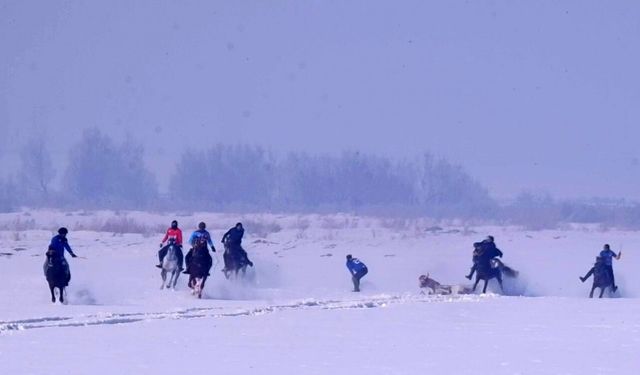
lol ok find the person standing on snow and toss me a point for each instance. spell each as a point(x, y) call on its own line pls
point(173, 233)
point(357, 270)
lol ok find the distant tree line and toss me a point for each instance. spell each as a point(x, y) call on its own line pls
point(103, 173)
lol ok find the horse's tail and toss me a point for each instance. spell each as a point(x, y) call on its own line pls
point(506, 270)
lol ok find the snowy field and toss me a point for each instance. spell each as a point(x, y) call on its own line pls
point(295, 313)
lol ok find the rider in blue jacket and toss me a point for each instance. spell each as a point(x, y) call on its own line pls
point(198, 236)
point(357, 270)
point(57, 248)
point(607, 256)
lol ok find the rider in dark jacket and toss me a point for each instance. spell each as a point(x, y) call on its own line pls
point(477, 253)
point(489, 248)
point(233, 239)
point(483, 252)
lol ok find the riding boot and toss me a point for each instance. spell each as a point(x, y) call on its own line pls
point(161, 255)
point(583, 279)
point(471, 272)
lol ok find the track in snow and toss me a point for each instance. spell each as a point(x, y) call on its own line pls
point(227, 312)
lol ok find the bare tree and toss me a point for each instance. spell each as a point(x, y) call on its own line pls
point(36, 168)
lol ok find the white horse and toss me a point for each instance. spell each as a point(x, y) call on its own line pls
point(170, 266)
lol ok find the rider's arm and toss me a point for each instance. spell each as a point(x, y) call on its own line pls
point(225, 236)
point(166, 236)
point(179, 237)
point(68, 248)
point(192, 239)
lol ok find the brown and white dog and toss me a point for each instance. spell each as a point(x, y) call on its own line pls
point(436, 287)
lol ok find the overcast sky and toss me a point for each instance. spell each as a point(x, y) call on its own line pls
point(540, 95)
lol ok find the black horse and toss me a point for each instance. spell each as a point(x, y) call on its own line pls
point(235, 260)
point(199, 267)
point(488, 269)
point(601, 278)
point(58, 276)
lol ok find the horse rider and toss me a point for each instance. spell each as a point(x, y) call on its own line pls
point(56, 250)
point(489, 249)
point(483, 252)
point(357, 269)
point(607, 256)
point(477, 253)
point(233, 239)
point(197, 237)
point(173, 233)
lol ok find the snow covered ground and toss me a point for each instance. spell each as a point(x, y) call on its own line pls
point(296, 314)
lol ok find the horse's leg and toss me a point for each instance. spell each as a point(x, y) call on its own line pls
point(475, 285)
point(486, 283)
point(602, 291)
point(499, 278)
point(53, 295)
point(163, 275)
point(61, 289)
point(593, 288)
point(176, 274)
point(204, 279)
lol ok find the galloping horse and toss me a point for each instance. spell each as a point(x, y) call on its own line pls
point(488, 269)
point(601, 278)
point(58, 276)
point(235, 260)
point(170, 266)
point(199, 267)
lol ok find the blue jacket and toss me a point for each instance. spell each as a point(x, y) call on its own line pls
point(355, 265)
point(607, 257)
point(59, 244)
point(201, 234)
point(234, 235)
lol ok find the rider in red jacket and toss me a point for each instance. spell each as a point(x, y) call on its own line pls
point(174, 233)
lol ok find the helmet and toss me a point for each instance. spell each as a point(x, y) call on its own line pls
point(349, 257)
point(490, 238)
point(174, 224)
point(607, 247)
point(63, 230)
point(202, 225)
point(239, 225)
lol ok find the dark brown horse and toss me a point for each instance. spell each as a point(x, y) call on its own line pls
point(488, 269)
point(235, 260)
point(601, 278)
point(199, 267)
point(58, 276)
